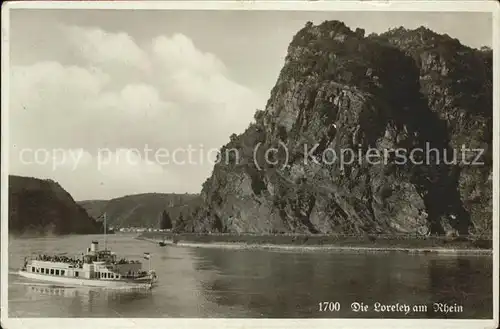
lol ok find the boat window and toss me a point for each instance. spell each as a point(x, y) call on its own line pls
point(62, 272)
point(52, 271)
point(57, 272)
point(76, 274)
point(42, 270)
point(32, 269)
point(37, 270)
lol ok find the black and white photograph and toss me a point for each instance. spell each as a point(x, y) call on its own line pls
point(249, 161)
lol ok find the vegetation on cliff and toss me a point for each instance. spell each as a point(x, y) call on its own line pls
point(39, 206)
point(341, 90)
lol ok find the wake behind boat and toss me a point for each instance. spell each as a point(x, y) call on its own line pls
point(96, 268)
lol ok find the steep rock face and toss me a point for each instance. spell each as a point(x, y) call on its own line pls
point(140, 210)
point(43, 206)
point(371, 100)
point(458, 82)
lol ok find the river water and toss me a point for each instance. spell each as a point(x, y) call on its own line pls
point(211, 282)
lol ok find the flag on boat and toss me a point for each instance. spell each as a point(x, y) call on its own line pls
point(147, 255)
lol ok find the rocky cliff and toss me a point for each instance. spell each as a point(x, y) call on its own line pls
point(141, 210)
point(371, 100)
point(42, 206)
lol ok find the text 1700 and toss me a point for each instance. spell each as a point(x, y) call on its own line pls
point(329, 306)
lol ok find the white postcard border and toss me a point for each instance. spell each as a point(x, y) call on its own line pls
point(449, 6)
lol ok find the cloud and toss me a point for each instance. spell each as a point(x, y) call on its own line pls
point(133, 101)
point(195, 76)
point(42, 84)
point(103, 48)
point(182, 96)
point(178, 53)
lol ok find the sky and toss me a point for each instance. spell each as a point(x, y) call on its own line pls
point(117, 102)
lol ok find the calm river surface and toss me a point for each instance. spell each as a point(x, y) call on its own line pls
point(206, 282)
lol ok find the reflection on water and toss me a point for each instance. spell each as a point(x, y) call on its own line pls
point(292, 284)
point(79, 301)
point(462, 281)
point(247, 283)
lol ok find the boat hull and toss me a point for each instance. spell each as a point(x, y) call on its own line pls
point(110, 284)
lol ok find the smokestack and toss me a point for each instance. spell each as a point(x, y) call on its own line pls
point(93, 246)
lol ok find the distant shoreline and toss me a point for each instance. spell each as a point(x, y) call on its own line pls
point(48, 234)
point(360, 246)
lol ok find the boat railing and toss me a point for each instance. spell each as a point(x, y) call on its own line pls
point(77, 263)
point(126, 261)
point(136, 275)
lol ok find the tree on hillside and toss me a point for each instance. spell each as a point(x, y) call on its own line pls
point(165, 221)
point(258, 116)
point(179, 224)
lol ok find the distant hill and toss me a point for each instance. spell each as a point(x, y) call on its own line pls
point(39, 206)
point(94, 207)
point(141, 210)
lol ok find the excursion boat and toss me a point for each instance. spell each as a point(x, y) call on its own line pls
point(95, 268)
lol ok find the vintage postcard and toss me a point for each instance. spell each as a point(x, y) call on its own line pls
point(233, 164)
